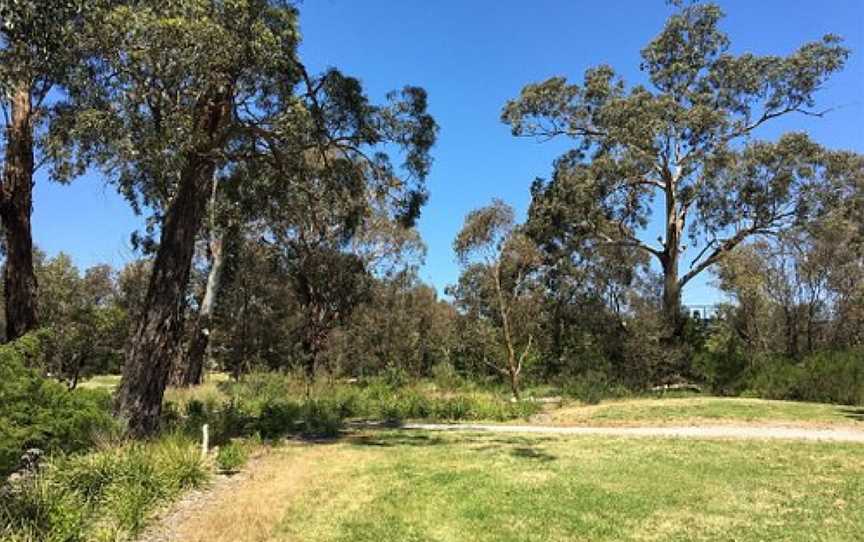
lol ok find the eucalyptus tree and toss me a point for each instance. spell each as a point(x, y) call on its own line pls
point(163, 98)
point(340, 209)
point(499, 262)
point(182, 92)
point(38, 49)
point(688, 136)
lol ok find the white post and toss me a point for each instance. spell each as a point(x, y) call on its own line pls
point(205, 440)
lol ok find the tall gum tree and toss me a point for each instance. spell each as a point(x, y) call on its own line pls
point(688, 139)
point(38, 47)
point(180, 93)
point(168, 92)
point(341, 208)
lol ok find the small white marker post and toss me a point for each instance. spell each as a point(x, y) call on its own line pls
point(205, 440)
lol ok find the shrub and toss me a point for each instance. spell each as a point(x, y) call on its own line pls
point(278, 417)
point(833, 377)
point(445, 376)
point(232, 456)
point(321, 417)
point(590, 387)
point(37, 412)
point(826, 377)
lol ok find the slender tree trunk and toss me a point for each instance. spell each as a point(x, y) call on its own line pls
point(313, 338)
point(199, 346)
point(513, 367)
point(190, 370)
point(669, 261)
point(16, 207)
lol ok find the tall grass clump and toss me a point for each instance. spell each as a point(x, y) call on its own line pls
point(105, 495)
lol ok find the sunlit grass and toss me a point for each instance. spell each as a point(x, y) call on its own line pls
point(103, 382)
point(706, 410)
point(412, 486)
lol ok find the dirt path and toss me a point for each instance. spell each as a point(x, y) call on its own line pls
point(240, 508)
point(704, 432)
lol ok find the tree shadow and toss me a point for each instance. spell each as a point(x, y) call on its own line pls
point(856, 414)
point(389, 440)
point(517, 446)
point(532, 453)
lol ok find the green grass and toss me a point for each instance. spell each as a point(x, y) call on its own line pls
point(101, 382)
point(707, 410)
point(411, 486)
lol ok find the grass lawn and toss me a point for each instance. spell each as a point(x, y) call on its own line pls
point(705, 411)
point(411, 486)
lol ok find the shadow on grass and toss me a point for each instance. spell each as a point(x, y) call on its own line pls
point(856, 414)
point(388, 440)
point(532, 453)
point(516, 446)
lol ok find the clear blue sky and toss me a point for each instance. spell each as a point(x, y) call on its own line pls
point(471, 56)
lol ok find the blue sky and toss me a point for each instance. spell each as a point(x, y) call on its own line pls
point(472, 56)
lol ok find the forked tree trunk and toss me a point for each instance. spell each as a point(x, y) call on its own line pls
point(19, 280)
point(190, 365)
point(153, 344)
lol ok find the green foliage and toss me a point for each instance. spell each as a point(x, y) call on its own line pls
point(590, 387)
point(102, 495)
point(274, 405)
point(232, 456)
point(825, 377)
point(445, 376)
point(36, 412)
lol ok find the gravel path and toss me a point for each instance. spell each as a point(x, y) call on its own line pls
point(703, 432)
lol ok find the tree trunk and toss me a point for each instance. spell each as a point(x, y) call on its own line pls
point(19, 280)
point(669, 261)
point(672, 295)
point(154, 341)
point(512, 366)
point(314, 335)
point(190, 369)
point(199, 344)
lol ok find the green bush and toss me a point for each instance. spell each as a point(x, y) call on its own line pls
point(445, 377)
point(232, 456)
point(590, 387)
point(278, 417)
point(36, 412)
point(321, 417)
point(825, 377)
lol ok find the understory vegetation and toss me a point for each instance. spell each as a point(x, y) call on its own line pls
point(274, 292)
